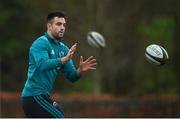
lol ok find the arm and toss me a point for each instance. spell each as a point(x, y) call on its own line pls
point(70, 71)
point(68, 68)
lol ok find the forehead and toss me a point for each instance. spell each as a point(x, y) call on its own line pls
point(59, 19)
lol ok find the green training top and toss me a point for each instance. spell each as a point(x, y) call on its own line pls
point(44, 64)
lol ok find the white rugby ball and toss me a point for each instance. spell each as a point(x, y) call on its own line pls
point(95, 39)
point(156, 54)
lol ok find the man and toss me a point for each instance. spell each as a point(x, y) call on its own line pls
point(47, 56)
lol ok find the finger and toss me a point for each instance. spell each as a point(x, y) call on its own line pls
point(89, 58)
point(92, 68)
point(92, 61)
point(75, 43)
point(93, 64)
point(73, 47)
point(81, 59)
point(70, 54)
point(71, 51)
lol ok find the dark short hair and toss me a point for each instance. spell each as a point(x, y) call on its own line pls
point(51, 15)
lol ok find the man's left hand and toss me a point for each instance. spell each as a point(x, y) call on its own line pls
point(88, 64)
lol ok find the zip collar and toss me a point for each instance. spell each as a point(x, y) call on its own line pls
point(51, 39)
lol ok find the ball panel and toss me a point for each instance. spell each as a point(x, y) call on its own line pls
point(99, 38)
point(93, 42)
point(155, 51)
point(151, 60)
point(165, 53)
point(164, 57)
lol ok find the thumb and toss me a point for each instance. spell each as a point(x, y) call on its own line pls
point(81, 59)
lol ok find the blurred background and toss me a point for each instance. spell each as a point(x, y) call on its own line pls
point(124, 84)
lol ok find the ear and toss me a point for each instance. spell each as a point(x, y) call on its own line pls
point(48, 25)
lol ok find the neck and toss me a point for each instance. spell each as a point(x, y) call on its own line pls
point(55, 40)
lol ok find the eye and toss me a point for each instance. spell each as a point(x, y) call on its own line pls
point(58, 23)
point(64, 24)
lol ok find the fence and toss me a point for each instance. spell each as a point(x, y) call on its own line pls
point(76, 105)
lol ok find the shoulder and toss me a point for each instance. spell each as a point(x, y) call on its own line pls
point(40, 43)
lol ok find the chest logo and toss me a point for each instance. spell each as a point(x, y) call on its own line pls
point(52, 52)
point(61, 54)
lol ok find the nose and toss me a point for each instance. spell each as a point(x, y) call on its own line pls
point(62, 28)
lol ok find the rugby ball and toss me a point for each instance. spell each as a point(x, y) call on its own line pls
point(95, 39)
point(156, 54)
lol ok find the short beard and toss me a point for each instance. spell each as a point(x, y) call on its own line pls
point(57, 37)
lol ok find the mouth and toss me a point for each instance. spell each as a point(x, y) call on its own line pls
point(61, 31)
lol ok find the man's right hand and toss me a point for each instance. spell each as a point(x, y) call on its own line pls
point(69, 55)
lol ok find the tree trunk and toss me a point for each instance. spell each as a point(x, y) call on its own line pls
point(176, 51)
